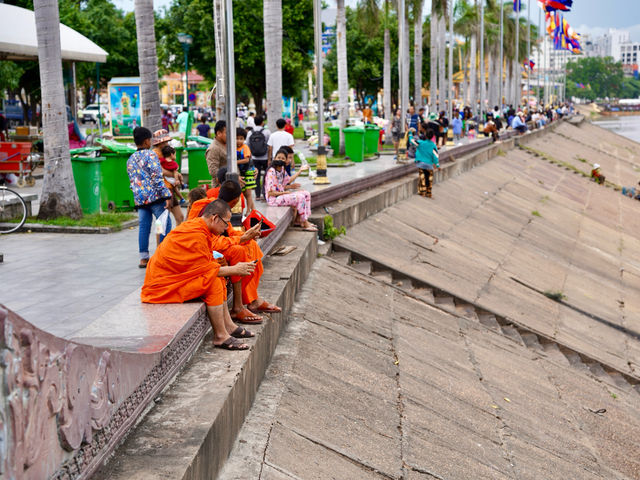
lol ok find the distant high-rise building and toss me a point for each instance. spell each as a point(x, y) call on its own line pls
point(612, 42)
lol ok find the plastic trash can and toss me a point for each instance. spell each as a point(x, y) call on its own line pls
point(334, 139)
point(116, 192)
point(354, 143)
point(198, 169)
point(371, 139)
point(86, 174)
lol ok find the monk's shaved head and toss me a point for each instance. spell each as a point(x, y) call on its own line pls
point(230, 191)
point(217, 207)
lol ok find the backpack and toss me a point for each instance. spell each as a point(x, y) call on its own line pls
point(258, 144)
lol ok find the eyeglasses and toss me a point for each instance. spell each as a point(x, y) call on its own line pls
point(226, 222)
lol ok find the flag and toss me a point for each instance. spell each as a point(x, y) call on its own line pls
point(554, 5)
point(517, 6)
point(532, 64)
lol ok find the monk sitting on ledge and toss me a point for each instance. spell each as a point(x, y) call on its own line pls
point(237, 247)
point(183, 268)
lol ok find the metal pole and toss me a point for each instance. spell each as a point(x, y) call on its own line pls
point(501, 82)
point(529, 53)
point(98, 94)
point(451, 96)
point(518, 69)
point(482, 75)
point(186, 77)
point(74, 96)
point(321, 161)
point(230, 94)
point(402, 53)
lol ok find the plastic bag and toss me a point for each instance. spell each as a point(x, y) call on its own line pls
point(161, 223)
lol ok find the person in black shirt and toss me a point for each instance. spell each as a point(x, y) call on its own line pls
point(203, 128)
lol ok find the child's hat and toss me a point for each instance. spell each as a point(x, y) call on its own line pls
point(160, 136)
point(596, 165)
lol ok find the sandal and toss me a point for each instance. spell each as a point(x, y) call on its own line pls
point(266, 307)
point(232, 343)
point(242, 333)
point(248, 317)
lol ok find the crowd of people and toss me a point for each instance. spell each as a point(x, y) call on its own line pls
point(195, 259)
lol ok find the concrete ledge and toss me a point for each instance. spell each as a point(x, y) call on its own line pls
point(206, 405)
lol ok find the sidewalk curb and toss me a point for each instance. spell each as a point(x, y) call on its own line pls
point(42, 228)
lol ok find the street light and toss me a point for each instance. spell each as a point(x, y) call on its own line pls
point(186, 40)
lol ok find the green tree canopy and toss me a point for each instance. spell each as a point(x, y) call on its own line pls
point(601, 77)
point(196, 18)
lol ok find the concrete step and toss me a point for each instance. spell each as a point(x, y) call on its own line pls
point(620, 381)
point(576, 361)
point(425, 293)
point(553, 353)
point(512, 333)
point(445, 301)
point(343, 257)
point(467, 310)
point(363, 267)
point(385, 276)
point(404, 283)
point(599, 372)
point(489, 320)
point(531, 340)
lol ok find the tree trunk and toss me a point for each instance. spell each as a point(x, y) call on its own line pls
point(407, 64)
point(464, 93)
point(507, 83)
point(491, 81)
point(473, 80)
point(148, 65)
point(417, 53)
point(272, 12)
point(388, 114)
point(59, 197)
point(442, 66)
point(343, 78)
point(433, 52)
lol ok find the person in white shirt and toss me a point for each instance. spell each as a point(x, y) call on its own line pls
point(279, 139)
point(251, 122)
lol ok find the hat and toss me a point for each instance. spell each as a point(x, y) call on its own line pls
point(433, 116)
point(160, 136)
point(596, 166)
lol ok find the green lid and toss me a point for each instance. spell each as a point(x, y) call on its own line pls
point(204, 140)
point(114, 147)
point(354, 129)
point(80, 151)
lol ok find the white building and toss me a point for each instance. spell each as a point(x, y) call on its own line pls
point(629, 53)
point(612, 42)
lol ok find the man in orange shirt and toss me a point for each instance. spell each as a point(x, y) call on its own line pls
point(183, 268)
point(239, 247)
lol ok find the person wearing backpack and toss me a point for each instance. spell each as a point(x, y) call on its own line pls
point(257, 140)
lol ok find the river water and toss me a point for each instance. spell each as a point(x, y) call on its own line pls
point(626, 126)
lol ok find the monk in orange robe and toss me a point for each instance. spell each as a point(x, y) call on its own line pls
point(238, 247)
point(183, 268)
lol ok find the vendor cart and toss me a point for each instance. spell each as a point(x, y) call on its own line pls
point(16, 158)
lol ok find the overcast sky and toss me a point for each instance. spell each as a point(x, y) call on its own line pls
point(587, 16)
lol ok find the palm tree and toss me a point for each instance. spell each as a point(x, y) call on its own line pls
point(386, 81)
point(343, 78)
point(272, 14)
point(433, 52)
point(418, 43)
point(148, 64)
point(59, 197)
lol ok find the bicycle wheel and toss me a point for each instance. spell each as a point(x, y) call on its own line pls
point(13, 211)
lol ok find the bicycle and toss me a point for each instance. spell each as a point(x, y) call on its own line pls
point(12, 206)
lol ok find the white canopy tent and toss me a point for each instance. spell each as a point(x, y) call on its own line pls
point(18, 39)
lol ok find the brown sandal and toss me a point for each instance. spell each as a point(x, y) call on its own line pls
point(232, 343)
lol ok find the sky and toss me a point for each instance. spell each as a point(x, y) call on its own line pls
point(587, 16)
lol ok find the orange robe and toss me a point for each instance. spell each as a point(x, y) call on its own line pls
point(235, 252)
point(182, 268)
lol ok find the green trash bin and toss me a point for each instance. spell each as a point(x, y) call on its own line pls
point(86, 174)
point(354, 143)
point(198, 169)
point(334, 136)
point(116, 192)
point(179, 151)
point(371, 139)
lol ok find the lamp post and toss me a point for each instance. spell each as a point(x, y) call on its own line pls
point(186, 40)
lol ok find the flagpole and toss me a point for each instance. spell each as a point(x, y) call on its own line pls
point(529, 54)
point(501, 82)
point(482, 77)
point(518, 67)
point(451, 95)
point(540, 35)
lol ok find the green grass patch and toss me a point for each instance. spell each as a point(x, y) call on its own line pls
point(536, 213)
point(298, 133)
point(114, 220)
point(580, 159)
point(556, 296)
